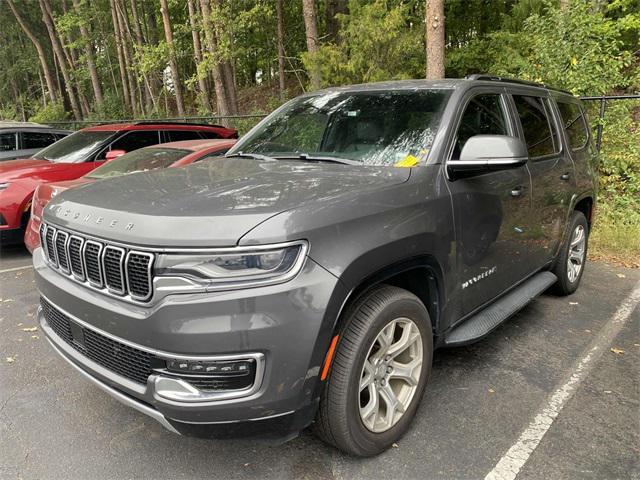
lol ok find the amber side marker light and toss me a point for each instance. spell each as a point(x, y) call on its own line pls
point(329, 357)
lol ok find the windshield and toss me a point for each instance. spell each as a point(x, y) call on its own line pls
point(139, 161)
point(372, 128)
point(74, 148)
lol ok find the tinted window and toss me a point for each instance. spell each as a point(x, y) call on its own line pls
point(206, 134)
point(483, 115)
point(77, 147)
point(179, 135)
point(372, 128)
point(139, 161)
point(7, 142)
point(37, 139)
point(541, 139)
point(134, 140)
point(574, 124)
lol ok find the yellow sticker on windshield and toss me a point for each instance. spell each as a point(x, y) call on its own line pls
point(408, 161)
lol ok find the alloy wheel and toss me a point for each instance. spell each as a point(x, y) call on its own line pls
point(577, 249)
point(390, 375)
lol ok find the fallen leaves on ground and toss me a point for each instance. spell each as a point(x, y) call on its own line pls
point(621, 275)
point(617, 351)
point(30, 329)
point(10, 359)
point(573, 303)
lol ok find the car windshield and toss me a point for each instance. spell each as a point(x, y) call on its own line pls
point(139, 161)
point(74, 148)
point(370, 128)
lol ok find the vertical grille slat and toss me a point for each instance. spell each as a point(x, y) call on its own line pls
point(75, 257)
point(51, 250)
point(139, 274)
point(113, 269)
point(113, 265)
point(61, 250)
point(92, 252)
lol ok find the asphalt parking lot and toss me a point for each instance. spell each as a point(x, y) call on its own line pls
point(552, 394)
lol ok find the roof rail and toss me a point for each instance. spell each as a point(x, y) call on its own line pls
point(168, 122)
point(496, 78)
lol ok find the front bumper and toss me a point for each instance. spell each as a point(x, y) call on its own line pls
point(288, 326)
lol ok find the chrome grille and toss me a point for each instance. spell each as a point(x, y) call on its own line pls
point(61, 251)
point(113, 265)
point(139, 274)
point(51, 250)
point(75, 257)
point(119, 271)
point(92, 251)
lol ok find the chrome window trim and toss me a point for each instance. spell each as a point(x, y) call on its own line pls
point(58, 234)
point(83, 276)
point(100, 273)
point(122, 269)
point(151, 257)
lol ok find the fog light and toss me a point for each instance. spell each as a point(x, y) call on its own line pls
point(216, 367)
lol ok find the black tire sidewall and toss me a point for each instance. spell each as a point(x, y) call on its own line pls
point(564, 286)
point(369, 442)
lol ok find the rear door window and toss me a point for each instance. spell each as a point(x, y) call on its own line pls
point(37, 139)
point(134, 140)
point(179, 135)
point(483, 115)
point(574, 124)
point(7, 142)
point(539, 131)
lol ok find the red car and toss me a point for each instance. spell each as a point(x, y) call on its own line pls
point(166, 155)
point(77, 155)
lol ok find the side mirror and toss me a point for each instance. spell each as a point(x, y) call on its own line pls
point(487, 153)
point(114, 154)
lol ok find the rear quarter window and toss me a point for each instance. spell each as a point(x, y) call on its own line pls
point(7, 141)
point(574, 124)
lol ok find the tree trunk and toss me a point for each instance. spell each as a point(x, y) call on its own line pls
point(127, 39)
point(149, 99)
point(173, 62)
point(311, 29)
point(197, 53)
point(121, 64)
point(91, 62)
point(230, 86)
point(280, 36)
point(434, 32)
point(333, 8)
point(222, 102)
point(51, 86)
point(57, 49)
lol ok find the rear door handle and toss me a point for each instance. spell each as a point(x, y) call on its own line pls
point(516, 192)
point(565, 176)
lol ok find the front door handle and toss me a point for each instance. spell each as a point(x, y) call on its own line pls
point(516, 192)
point(565, 176)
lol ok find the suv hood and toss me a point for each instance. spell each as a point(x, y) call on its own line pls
point(213, 203)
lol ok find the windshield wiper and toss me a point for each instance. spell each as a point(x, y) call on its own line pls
point(320, 158)
point(255, 156)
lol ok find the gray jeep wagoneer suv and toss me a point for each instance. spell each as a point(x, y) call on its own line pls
point(309, 275)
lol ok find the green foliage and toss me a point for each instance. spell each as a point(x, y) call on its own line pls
point(378, 41)
point(52, 112)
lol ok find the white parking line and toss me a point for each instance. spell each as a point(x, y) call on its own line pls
point(15, 269)
point(516, 457)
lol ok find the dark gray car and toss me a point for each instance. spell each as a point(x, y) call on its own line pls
point(309, 275)
point(23, 139)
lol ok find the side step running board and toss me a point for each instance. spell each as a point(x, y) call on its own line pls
point(493, 315)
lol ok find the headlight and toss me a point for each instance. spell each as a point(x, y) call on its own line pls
point(4, 186)
point(238, 267)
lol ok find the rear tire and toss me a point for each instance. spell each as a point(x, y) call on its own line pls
point(569, 266)
point(364, 370)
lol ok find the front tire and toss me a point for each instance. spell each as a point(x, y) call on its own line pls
point(569, 265)
point(379, 372)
